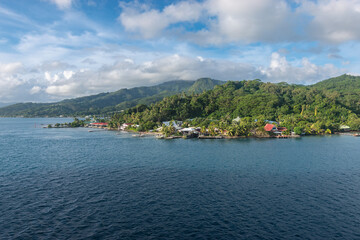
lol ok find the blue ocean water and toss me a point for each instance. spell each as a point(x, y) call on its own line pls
point(75, 184)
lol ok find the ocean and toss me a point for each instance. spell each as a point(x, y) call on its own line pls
point(76, 184)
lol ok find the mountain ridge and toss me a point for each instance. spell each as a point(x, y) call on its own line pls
point(104, 103)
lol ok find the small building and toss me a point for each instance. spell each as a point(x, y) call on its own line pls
point(282, 129)
point(344, 128)
point(98, 125)
point(270, 127)
point(125, 126)
point(276, 130)
point(237, 119)
point(174, 123)
point(188, 130)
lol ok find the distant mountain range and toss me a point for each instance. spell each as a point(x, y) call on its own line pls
point(5, 104)
point(107, 103)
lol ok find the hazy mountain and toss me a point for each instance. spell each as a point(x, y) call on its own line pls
point(105, 103)
point(5, 104)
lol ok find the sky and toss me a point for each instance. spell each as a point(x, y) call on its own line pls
point(57, 49)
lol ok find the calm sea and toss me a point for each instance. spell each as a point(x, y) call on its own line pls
point(75, 184)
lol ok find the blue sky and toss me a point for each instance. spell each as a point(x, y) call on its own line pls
point(56, 49)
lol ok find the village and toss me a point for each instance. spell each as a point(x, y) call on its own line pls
point(182, 129)
point(177, 129)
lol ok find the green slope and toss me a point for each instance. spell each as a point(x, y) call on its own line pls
point(342, 84)
point(345, 88)
point(316, 108)
point(107, 103)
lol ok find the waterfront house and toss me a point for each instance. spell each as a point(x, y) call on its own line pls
point(270, 127)
point(125, 126)
point(344, 128)
point(189, 130)
point(276, 130)
point(175, 124)
point(98, 125)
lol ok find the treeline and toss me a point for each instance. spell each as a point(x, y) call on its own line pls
point(313, 109)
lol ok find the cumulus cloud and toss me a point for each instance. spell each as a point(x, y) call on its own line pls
point(127, 74)
point(54, 65)
point(305, 72)
point(35, 89)
point(62, 4)
point(250, 21)
point(150, 23)
point(60, 83)
point(332, 20)
point(226, 21)
point(10, 77)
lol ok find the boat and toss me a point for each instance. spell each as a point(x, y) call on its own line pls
point(356, 135)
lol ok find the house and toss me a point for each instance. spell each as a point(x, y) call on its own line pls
point(236, 119)
point(276, 130)
point(125, 126)
point(344, 128)
point(188, 130)
point(176, 124)
point(270, 127)
point(282, 129)
point(99, 125)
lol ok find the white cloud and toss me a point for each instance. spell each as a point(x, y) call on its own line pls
point(250, 21)
point(305, 72)
point(10, 78)
point(332, 20)
point(127, 74)
point(62, 4)
point(35, 90)
point(68, 74)
point(65, 90)
point(150, 23)
point(57, 84)
point(228, 21)
point(10, 68)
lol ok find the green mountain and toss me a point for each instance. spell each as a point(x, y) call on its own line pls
point(345, 88)
point(106, 103)
point(316, 108)
point(342, 84)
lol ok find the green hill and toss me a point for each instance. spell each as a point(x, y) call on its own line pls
point(345, 88)
point(316, 108)
point(107, 103)
point(342, 84)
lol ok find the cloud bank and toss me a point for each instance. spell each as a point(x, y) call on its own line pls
point(227, 21)
point(143, 43)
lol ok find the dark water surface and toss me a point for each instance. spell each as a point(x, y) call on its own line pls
point(75, 184)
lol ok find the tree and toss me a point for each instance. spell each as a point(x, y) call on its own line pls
point(298, 130)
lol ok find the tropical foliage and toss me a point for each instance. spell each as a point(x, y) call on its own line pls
point(313, 109)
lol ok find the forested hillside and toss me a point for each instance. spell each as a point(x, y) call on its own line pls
point(314, 108)
point(107, 103)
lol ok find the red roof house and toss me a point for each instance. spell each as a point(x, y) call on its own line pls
point(99, 124)
point(270, 127)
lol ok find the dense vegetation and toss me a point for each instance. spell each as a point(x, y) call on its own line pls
point(108, 103)
point(316, 109)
